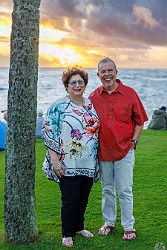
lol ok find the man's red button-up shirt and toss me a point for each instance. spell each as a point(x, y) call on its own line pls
point(118, 113)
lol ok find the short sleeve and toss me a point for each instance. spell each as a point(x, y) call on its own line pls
point(52, 127)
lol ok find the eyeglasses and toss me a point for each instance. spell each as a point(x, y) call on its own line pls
point(79, 82)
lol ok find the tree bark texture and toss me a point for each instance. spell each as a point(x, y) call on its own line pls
point(19, 205)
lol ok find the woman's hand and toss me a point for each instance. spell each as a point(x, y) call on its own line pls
point(58, 168)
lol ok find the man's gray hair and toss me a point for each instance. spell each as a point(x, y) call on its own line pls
point(106, 60)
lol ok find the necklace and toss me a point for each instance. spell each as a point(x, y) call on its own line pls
point(78, 102)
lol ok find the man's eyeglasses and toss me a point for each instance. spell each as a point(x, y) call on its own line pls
point(79, 82)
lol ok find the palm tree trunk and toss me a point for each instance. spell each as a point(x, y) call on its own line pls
point(19, 205)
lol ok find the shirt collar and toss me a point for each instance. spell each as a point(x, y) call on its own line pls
point(118, 89)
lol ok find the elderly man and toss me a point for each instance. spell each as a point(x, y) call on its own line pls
point(122, 117)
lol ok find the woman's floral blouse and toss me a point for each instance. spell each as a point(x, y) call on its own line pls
point(71, 131)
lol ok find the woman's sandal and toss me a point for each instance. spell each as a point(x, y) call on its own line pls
point(106, 230)
point(129, 235)
point(85, 233)
point(67, 242)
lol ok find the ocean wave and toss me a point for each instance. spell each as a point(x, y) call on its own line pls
point(149, 84)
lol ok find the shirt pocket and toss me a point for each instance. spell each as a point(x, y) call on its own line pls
point(126, 114)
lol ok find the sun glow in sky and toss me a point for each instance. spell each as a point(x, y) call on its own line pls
point(51, 35)
point(83, 35)
point(53, 52)
point(48, 49)
point(5, 30)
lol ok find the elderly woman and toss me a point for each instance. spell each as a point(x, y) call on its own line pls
point(70, 135)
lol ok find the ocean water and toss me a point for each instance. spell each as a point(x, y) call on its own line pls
point(150, 84)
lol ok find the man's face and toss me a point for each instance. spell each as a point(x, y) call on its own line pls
point(107, 74)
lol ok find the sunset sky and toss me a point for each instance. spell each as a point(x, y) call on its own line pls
point(132, 32)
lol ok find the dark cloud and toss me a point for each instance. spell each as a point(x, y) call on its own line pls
point(55, 10)
point(129, 23)
point(117, 27)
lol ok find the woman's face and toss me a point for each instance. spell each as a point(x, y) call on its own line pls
point(76, 86)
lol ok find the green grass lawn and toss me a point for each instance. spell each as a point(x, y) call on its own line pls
point(150, 203)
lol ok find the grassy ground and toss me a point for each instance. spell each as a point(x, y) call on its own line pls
point(150, 188)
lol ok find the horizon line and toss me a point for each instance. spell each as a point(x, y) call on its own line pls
point(93, 68)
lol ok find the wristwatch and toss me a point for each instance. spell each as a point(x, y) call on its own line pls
point(135, 143)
